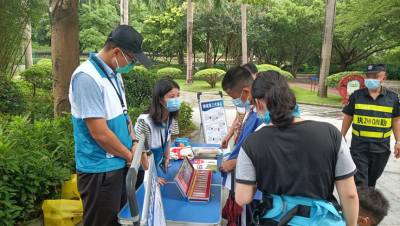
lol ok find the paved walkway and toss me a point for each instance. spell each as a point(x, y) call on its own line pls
point(389, 183)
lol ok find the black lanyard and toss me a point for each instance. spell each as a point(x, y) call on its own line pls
point(166, 135)
point(109, 79)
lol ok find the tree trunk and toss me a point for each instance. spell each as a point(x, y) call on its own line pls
point(28, 46)
point(189, 67)
point(251, 55)
point(244, 35)
point(64, 50)
point(209, 54)
point(330, 12)
point(343, 66)
point(126, 12)
point(121, 11)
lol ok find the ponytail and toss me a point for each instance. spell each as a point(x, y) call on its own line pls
point(271, 87)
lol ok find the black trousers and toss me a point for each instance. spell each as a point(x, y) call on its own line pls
point(103, 196)
point(370, 166)
point(139, 179)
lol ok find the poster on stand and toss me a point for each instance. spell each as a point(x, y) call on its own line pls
point(156, 215)
point(214, 121)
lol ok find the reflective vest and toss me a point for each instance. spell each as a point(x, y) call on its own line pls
point(372, 120)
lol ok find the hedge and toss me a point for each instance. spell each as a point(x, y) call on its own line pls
point(267, 67)
point(333, 80)
point(169, 72)
point(211, 76)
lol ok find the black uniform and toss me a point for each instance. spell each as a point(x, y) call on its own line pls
point(372, 127)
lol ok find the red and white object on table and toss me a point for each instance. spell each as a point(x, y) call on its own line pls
point(181, 152)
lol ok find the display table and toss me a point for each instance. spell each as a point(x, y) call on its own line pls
point(178, 210)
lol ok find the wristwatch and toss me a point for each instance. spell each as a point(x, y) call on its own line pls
point(135, 140)
point(397, 142)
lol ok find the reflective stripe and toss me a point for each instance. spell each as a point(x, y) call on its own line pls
point(372, 121)
point(374, 108)
point(372, 134)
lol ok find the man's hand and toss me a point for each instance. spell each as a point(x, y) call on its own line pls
point(224, 143)
point(397, 151)
point(227, 166)
point(129, 160)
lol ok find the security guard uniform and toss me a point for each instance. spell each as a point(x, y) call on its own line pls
point(372, 127)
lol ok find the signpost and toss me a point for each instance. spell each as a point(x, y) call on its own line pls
point(349, 84)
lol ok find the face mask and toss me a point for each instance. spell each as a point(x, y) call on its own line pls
point(128, 67)
point(173, 104)
point(265, 118)
point(372, 84)
point(238, 102)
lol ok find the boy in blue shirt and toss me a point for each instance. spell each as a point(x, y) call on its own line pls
point(237, 84)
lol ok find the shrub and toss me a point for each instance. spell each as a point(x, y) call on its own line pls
point(140, 67)
point(219, 66)
point(211, 76)
point(267, 67)
point(333, 80)
point(35, 159)
point(12, 99)
point(135, 112)
point(169, 72)
point(139, 86)
point(39, 75)
point(40, 107)
point(185, 121)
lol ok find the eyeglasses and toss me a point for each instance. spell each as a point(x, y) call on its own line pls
point(132, 57)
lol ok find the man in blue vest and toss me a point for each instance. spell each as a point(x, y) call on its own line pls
point(374, 112)
point(104, 141)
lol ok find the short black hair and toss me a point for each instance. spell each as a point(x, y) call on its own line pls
point(155, 110)
point(253, 69)
point(373, 204)
point(236, 79)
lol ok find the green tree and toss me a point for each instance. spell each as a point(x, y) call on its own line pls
point(14, 17)
point(363, 28)
point(95, 24)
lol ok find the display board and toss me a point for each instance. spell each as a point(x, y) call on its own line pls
point(214, 120)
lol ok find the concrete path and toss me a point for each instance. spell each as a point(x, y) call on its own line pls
point(389, 183)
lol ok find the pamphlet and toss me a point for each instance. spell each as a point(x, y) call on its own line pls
point(210, 164)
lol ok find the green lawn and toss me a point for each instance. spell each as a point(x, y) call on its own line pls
point(305, 95)
point(302, 95)
point(199, 86)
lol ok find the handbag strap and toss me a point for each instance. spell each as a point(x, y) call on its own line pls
point(232, 191)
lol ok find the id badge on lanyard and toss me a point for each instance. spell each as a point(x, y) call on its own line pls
point(164, 146)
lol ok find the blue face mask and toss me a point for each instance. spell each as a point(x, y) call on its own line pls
point(372, 84)
point(267, 119)
point(128, 67)
point(173, 104)
point(238, 102)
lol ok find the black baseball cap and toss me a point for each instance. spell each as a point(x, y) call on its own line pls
point(129, 39)
point(375, 68)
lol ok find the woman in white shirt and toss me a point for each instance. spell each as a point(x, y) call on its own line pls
point(159, 117)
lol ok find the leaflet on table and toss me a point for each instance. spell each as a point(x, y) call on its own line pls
point(210, 164)
point(181, 152)
point(206, 152)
